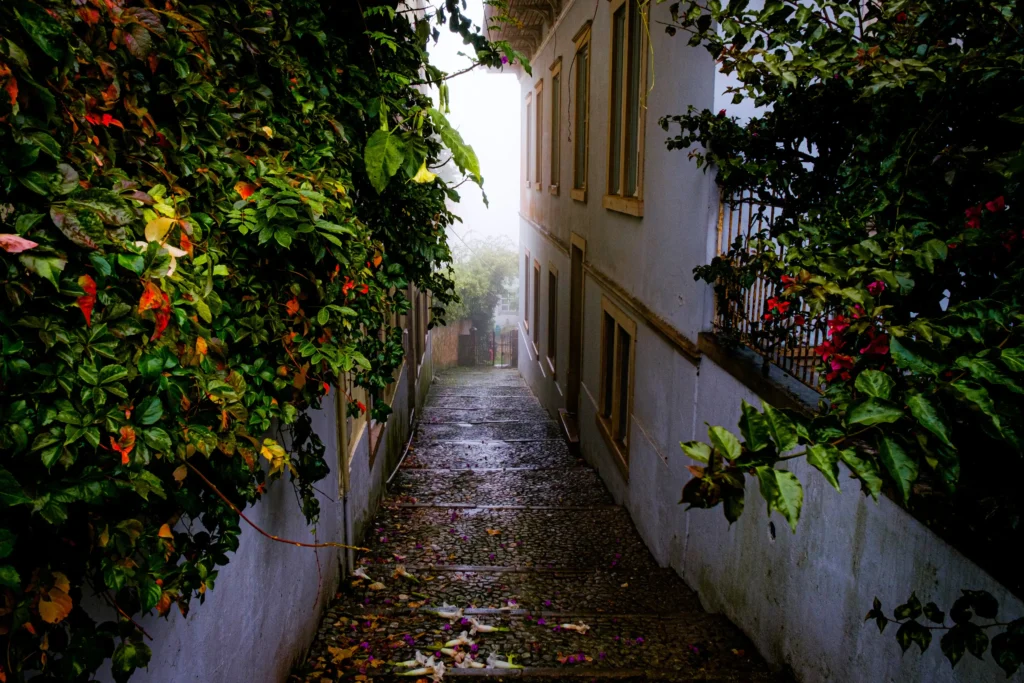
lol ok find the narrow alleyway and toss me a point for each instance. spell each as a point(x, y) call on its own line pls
point(493, 516)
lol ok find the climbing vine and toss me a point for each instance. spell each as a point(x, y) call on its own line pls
point(886, 154)
point(208, 213)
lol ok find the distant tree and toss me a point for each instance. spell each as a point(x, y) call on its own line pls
point(480, 275)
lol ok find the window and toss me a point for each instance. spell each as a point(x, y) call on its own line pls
point(529, 138)
point(552, 317)
point(538, 136)
point(618, 346)
point(625, 132)
point(536, 306)
point(581, 116)
point(556, 126)
point(526, 292)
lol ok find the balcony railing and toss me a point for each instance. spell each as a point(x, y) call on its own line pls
point(742, 298)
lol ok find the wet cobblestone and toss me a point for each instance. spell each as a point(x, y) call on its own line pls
point(490, 455)
point(572, 487)
point(493, 431)
point(433, 415)
point(563, 555)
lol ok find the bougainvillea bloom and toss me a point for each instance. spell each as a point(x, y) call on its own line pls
point(878, 344)
point(777, 304)
point(997, 204)
point(87, 302)
point(837, 325)
point(876, 288)
point(973, 216)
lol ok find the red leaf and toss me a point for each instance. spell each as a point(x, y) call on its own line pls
point(292, 306)
point(246, 190)
point(124, 444)
point(12, 89)
point(88, 302)
point(186, 244)
point(152, 297)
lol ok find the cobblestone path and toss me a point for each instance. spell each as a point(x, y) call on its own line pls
point(500, 525)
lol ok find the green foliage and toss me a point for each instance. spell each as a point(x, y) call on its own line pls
point(200, 231)
point(480, 276)
point(886, 161)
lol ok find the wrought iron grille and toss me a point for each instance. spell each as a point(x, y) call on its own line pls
point(742, 303)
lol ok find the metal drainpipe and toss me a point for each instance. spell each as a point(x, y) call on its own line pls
point(342, 435)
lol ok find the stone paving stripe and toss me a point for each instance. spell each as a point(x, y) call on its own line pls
point(471, 506)
point(499, 469)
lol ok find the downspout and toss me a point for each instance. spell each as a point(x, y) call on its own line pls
point(342, 436)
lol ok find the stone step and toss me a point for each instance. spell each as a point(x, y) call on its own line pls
point(617, 648)
point(538, 592)
point(574, 487)
point(600, 538)
point(490, 431)
point(481, 401)
point(454, 455)
point(491, 378)
point(500, 413)
point(519, 391)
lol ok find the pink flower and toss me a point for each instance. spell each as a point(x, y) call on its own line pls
point(15, 244)
point(878, 344)
point(997, 204)
point(876, 288)
point(837, 325)
point(504, 59)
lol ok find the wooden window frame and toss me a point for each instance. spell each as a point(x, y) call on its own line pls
point(581, 39)
point(554, 156)
point(535, 337)
point(529, 136)
point(538, 132)
point(527, 292)
point(552, 340)
point(610, 425)
point(631, 205)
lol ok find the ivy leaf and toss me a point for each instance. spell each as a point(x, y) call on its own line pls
point(9, 577)
point(780, 428)
point(783, 492)
point(953, 644)
point(1008, 649)
point(43, 29)
point(383, 156)
point(725, 442)
point(754, 428)
point(866, 471)
point(907, 356)
point(698, 450)
point(1013, 359)
point(875, 383)
point(157, 439)
point(462, 154)
point(129, 656)
point(825, 457)
point(902, 469)
point(46, 267)
point(7, 539)
point(911, 632)
point(149, 410)
point(873, 411)
point(925, 412)
point(11, 493)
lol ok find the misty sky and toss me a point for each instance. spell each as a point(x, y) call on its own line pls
point(485, 110)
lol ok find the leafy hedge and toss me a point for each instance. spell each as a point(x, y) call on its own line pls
point(887, 156)
point(195, 242)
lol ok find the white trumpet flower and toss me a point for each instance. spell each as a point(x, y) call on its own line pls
point(494, 663)
point(449, 612)
point(483, 628)
point(361, 574)
point(462, 639)
point(579, 628)
point(401, 572)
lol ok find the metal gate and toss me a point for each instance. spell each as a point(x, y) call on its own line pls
point(504, 348)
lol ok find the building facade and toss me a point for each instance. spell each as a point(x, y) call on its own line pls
point(616, 337)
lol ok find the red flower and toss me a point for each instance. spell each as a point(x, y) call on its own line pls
point(292, 306)
point(973, 215)
point(721, 112)
point(364, 289)
point(997, 204)
point(799, 320)
point(327, 388)
point(88, 302)
point(878, 344)
point(901, 17)
point(347, 286)
point(161, 140)
point(876, 288)
point(361, 406)
point(768, 316)
point(837, 325)
point(777, 304)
